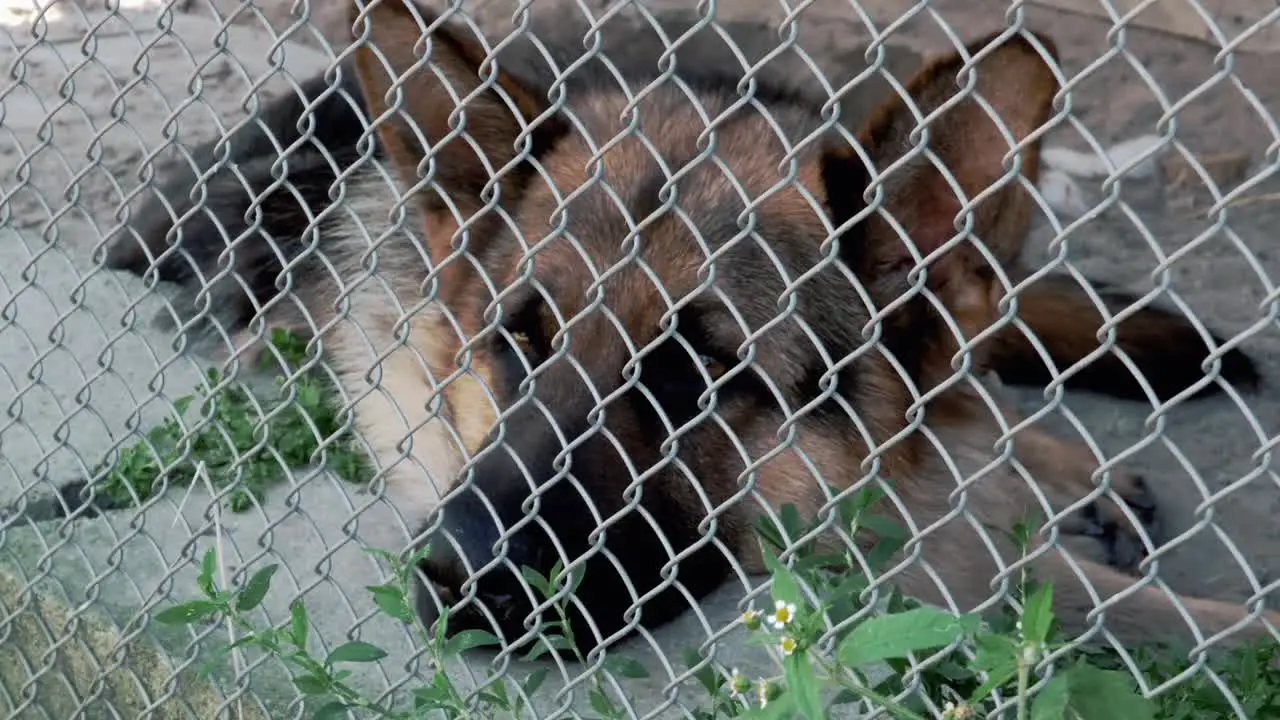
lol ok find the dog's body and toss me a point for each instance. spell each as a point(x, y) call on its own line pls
point(406, 308)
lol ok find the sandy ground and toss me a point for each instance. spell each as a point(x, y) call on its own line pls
point(80, 364)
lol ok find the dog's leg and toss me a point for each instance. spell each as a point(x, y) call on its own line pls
point(1064, 471)
point(1146, 610)
point(1137, 610)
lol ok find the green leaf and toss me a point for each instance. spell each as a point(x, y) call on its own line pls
point(208, 565)
point(298, 624)
point(311, 684)
point(181, 404)
point(534, 681)
point(1248, 672)
point(890, 538)
point(430, 698)
point(785, 587)
point(882, 552)
point(998, 657)
point(803, 684)
point(547, 644)
point(707, 676)
point(442, 627)
point(1051, 702)
point(356, 651)
point(769, 533)
point(391, 559)
point(1023, 530)
point(417, 556)
point(626, 667)
point(601, 703)
point(500, 696)
point(468, 639)
point(1084, 692)
point(330, 710)
point(391, 600)
point(255, 590)
point(535, 579)
point(254, 638)
point(188, 613)
point(819, 562)
point(240, 501)
point(854, 507)
point(494, 699)
point(1104, 694)
point(792, 523)
point(1037, 614)
point(843, 598)
point(894, 636)
point(883, 527)
point(993, 651)
point(575, 578)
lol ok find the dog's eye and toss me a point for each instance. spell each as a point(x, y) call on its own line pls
point(524, 330)
point(522, 341)
point(714, 367)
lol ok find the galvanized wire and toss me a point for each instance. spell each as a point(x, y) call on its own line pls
point(90, 375)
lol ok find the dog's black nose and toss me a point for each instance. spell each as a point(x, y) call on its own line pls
point(476, 571)
point(506, 611)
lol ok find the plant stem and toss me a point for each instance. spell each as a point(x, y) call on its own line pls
point(885, 703)
point(1024, 676)
point(304, 661)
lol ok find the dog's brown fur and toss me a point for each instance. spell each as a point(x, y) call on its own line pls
point(441, 371)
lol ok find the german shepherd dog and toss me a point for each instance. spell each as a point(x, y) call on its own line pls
point(529, 289)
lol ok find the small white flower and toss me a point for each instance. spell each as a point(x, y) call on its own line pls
point(738, 685)
point(788, 645)
point(768, 691)
point(783, 613)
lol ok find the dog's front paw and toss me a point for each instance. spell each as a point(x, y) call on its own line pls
point(1107, 523)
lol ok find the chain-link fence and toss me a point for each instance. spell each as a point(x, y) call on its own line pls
point(634, 307)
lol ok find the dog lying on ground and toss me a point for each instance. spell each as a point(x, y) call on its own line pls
point(528, 302)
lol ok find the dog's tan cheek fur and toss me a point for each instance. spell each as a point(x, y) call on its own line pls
point(396, 408)
point(470, 396)
point(414, 443)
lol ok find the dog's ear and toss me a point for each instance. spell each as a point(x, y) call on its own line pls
point(417, 70)
point(968, 137)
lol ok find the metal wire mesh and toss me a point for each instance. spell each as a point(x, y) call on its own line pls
point(1155, 178)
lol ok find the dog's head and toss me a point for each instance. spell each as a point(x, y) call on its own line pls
point(619, 257)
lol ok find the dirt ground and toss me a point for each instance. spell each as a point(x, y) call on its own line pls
point(70, 153)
